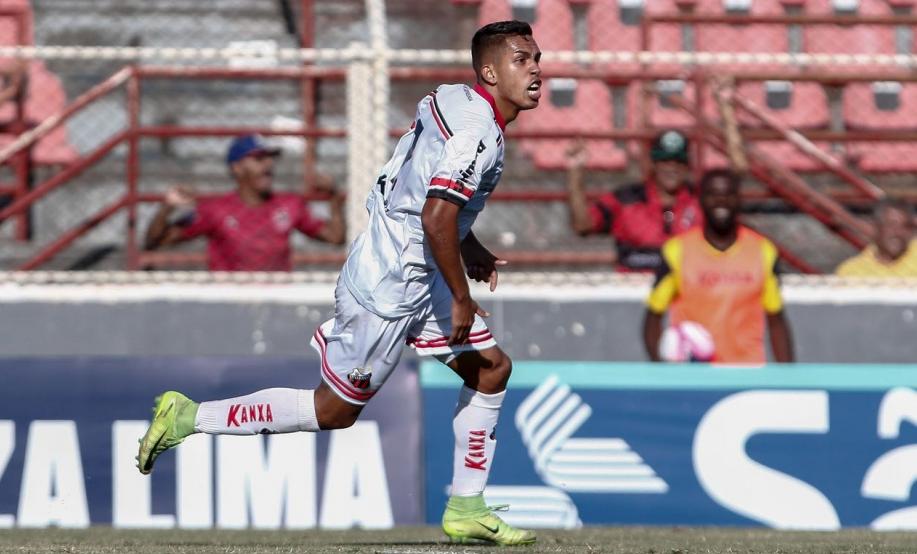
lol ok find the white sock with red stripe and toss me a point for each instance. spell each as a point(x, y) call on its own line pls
point(265, 411)
point(474, 424)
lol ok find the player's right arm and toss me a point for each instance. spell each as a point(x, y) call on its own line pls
point(164, 229)
point(664, 291)
point(440, 227)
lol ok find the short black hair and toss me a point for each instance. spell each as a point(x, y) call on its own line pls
point(493, 34)
point(735, 181)
point(889, 203)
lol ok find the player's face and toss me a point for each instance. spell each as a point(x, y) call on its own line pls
point(670, 175)
point(518, 73)
point(895, 230)
point(720, 201)
point(256, 172)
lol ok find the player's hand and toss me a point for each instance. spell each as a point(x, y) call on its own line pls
point(481, 265)
point(179, 197)
point(463, 312)
point(577, 155)
point(486, 272)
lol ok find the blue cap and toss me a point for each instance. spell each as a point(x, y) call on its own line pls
point(249, 144)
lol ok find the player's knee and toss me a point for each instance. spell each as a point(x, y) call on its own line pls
point(503, 367)
point(495, 377)
point(332, 412)
point(336, 421)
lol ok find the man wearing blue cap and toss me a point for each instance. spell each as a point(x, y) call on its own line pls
point(641, 216)
point(247, 229)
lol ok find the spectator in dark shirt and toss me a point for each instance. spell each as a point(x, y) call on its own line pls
point(641, 216)
point(249, 228)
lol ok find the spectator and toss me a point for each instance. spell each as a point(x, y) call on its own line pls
point(640, 216)
point(249, 228)
point(894, 253)
point(721, 275)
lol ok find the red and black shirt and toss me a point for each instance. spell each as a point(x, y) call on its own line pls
point(640, 224)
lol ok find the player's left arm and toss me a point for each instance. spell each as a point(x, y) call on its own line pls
point(480, 263)
point(778, 327)
point(467, 155)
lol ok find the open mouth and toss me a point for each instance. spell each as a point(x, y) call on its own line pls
point(534, 90)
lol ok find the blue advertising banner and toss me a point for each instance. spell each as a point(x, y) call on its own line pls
point(69, 429)
point(790, 447)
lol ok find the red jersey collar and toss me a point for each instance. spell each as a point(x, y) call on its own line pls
point(493, 104)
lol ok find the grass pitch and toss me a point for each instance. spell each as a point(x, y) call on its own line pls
point(625, 540)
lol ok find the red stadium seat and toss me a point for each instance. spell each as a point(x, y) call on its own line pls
point(807, 107)
point(754, 38)
point(591, 112)
point(608, 31)
point(885, 157)
point(862, 111)
point(666, 37)
point(789, 156)
point(852, 39)
point(662, 113)
point(494, 10)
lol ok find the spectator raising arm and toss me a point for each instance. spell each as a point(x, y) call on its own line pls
point(164, 229)
point(334, 231)
point(576, 199)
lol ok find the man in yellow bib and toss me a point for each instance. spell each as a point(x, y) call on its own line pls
point(894, 252)
point(722, 276)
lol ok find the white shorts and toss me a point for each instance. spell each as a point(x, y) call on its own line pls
point(359, 349)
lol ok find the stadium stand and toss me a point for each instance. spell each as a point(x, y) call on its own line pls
point(608, 104)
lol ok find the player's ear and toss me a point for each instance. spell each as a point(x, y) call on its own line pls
point(488, 75)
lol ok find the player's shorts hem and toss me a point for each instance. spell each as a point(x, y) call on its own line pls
point(482, 340)
point(332, 379)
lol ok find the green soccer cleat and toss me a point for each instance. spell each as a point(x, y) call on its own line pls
point(173, 420)
point(468, 519)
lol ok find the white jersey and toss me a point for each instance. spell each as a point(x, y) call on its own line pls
point(453, 151)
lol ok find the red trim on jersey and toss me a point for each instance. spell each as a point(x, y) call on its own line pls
point(493, 104)
point(434, 109)
point(474, 338)
point(335, 380)
point(452, 185)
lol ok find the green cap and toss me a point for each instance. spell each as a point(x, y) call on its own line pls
point(670, 146)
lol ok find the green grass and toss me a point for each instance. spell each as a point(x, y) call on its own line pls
point(626, 540)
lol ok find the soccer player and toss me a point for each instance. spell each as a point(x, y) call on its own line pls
point(403, 281)
point(721, 275)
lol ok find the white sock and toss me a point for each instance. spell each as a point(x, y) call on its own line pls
point(265, 411)
point(474, 424)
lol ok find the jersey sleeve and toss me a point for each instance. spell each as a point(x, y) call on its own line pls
point(602, 213)
point(308, 224)
point(465, 158)
point(201, 222)
point(770, 295)
point(665, 288)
